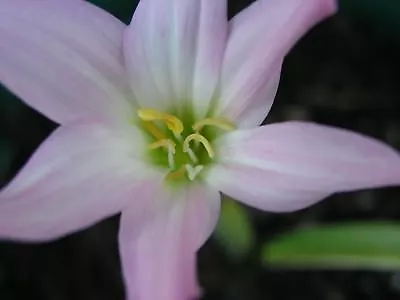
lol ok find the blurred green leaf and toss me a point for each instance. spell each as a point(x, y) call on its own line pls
point(234, 231)
point(373, 246)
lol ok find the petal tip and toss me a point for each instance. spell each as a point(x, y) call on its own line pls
point(330, 7)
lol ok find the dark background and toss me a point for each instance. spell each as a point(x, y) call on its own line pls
point(345, 73)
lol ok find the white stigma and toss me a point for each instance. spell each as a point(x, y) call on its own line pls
point(192, 172)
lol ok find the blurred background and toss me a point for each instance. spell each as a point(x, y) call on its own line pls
point(346, 73)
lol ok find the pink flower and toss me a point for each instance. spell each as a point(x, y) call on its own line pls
point(158, 118)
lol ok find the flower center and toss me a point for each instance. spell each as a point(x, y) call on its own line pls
point(184, 150)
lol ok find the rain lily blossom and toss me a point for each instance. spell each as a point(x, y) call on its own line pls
point(158, 118)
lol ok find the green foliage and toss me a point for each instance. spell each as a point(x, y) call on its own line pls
point(371, 246)
point(234, 231)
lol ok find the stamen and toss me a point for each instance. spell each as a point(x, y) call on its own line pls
point(191, 154)
point(189, 164)
point(171, 161)
point(217, 122)
point(153, 130)
point(199, 138)
point(172, 122)
point(192, 172)
point(169, 145)
point(176, 174)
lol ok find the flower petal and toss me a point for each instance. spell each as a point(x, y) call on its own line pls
point(260, 37)
point(158, 249)
point(174, 51)
point(63, 58)
point(291, 165)
point(211, 44)
point(81, 174)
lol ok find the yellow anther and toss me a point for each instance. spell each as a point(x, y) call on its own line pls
point(201, 139)
point(216, 122)
point(166, 143)
point(176, 174)
point(153, 130)
point(172, 122)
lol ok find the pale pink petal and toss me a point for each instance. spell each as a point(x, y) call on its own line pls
point(81, 174)
point(64, 58)
point(211, 43)
point(288, 166)
point(158, 248)
point(174, 50)
point(256, 111)
point(260, 37)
